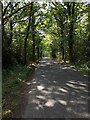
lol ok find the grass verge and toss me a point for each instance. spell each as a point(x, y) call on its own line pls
point(84, 68)
point(13, 80)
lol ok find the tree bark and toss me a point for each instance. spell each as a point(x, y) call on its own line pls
point(1, 35)
point(1, 38)
point(89, 23)
point(27, 34)
point(10, 15)
point(11, 26)
point(33, 34)
point(62, 41)
point(6, 8)
point(38, 52)
point(71, 30)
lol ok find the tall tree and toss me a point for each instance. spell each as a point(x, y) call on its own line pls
point(71, 8)
point(1, 34)
point(27, 32)
point(11, 25)
point(33, 32)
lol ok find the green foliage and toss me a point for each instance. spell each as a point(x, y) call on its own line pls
point(64, 27)
point(84, 68)
point(50, 29)
point(13, 79)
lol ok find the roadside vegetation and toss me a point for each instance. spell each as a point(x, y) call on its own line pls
point(13, 82)
point(32, 30)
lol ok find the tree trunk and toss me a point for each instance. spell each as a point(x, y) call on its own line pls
point(38, 52)
point(11, 33)
point(87, 54)
point(71, 30)
point(33, 39)
point(89, 23)
point(1, 35)
point(41, 52)
point(27, 34)
point(11, 27)
point(62, 41)
point(33, 34)
point(10, 37)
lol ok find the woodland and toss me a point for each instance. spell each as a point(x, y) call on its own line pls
point(33, 30)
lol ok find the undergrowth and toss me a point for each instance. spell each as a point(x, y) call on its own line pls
point(13, 79)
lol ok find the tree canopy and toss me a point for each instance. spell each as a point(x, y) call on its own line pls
point(32, 30)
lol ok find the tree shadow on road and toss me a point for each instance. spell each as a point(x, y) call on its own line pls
point(57, 92)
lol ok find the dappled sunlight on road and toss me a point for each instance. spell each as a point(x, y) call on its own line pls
point(41, 87)
point(57, 93)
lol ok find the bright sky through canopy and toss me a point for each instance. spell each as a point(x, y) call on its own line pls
point(43, 1)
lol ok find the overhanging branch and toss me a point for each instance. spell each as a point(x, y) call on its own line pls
point(15, 12)
point(6, 8)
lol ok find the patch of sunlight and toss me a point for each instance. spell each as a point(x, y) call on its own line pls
point(72, 66)
point(64, 68)
point(43, 75)
point(72, 82)
point(41, 97)
point(33, 79)
point(75, 101)
point(50, 103)
point(56, 92)
point(40, 106)
point(74, 69)
point(23, 81)
point(80, 83)
point(28, 83)
point(70, 85)
point(36, 101)
point(63, 90)
point(28, 67)
point(43, 61)
point(55, 62)
point(44, 78)
point(48, 63)
point(42, 65)
point(85, 91)
point(54, 81)
point(82, 96)
point(83, 84)
point(19, 73)
point(68, 109)
point(40, 87)
point(33, 89)
point(83, 114)
point(7, 111)
point(20, 79)
point(37, 108)
point(62, 102)
point(46, 92)
point(86, 75)
point(33, 65)
point(34, 82)
point(77, 91)
point(82, 88)
point(30, 92)
point(49, 89)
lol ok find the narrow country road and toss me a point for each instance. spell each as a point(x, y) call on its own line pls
point(57, 91)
